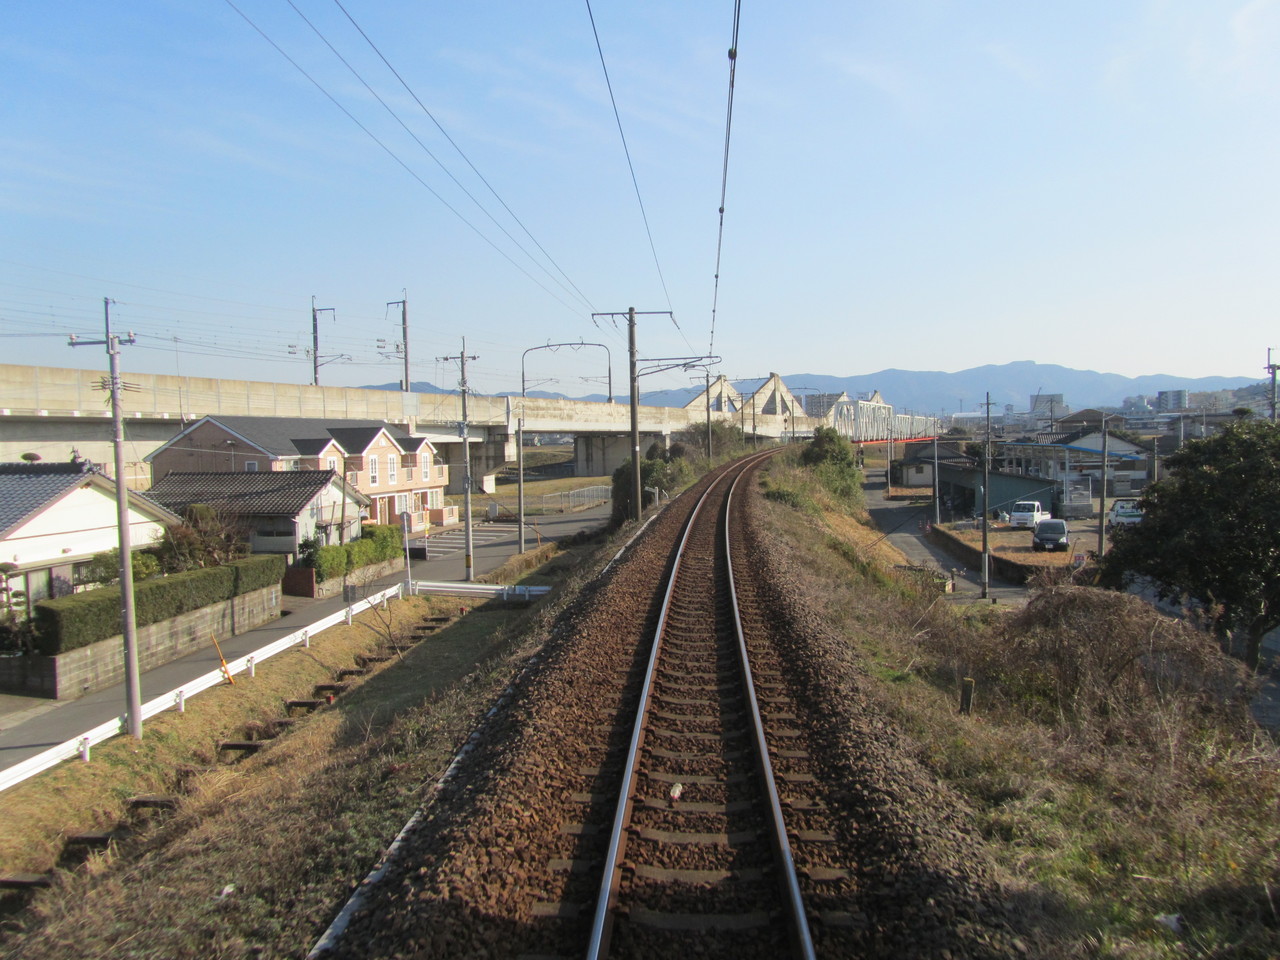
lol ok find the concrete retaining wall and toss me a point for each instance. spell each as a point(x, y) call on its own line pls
point(301, 581)
point(101, 665)
point(971, 557)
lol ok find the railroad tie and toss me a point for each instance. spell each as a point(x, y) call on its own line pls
point(152, 801)
point(25, 881)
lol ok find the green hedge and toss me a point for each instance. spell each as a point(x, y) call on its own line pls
point(377, 542)
point(68, 623)
point(330, 562)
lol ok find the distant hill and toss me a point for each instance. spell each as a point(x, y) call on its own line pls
point(1014, 383)
point(932, 391)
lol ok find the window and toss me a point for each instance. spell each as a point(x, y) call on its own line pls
point(391, 468)
point(251, 466)
point(408, 474)
point(434, 500)
point(296, 464)
point(373, 471)
point(331, 463)
point(402, 503)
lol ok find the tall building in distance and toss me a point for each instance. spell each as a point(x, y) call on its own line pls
point(1170, 400)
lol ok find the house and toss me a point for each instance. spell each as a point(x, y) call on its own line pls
point(399, 473)
point(278, 509)
point(1069, 458)
point(915, 469)
point(55, 516)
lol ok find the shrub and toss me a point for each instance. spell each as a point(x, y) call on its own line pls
point(68, 623)
point(330, 562)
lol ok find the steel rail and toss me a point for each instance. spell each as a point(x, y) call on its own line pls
point(802, 939)
point(602, 920)
point(599, 942)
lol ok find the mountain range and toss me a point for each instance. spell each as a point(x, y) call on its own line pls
point(935, 392)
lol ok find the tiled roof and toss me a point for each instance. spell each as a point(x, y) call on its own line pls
point(26, 487)
point(306, 436)
point(276, 493)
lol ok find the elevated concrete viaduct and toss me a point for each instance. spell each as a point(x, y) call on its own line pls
point(51, 410)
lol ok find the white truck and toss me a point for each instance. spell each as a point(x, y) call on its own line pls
point(1123, 513)
point(1027, 513)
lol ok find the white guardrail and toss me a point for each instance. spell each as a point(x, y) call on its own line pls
point(492, 590)
point(176, 699)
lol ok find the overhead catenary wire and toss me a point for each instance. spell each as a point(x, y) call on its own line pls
point(427, 150)
point(409, 90)
point(396, 157)
point(724, 173)
point(626, 150)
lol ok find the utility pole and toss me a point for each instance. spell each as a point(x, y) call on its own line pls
point(462, 358)
point(1271, 369)
point(1102, 499)
point(637, 494)
point(937, 505)
point(404, 333)
point(520, 479)
point(707, 374)
point(132, 684)
point(986, 504)
point(315, 340)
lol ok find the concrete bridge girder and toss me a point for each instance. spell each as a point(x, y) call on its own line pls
point(598, 455)
point(50, 409)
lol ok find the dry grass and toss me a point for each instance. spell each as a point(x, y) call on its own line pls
point(1110, 761)
point(1016, 545)
point(262, 853)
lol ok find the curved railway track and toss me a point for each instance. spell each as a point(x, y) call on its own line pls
point(570, 830)
point(698, 847)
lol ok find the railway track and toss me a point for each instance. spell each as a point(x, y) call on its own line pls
point(698, 848)
point(572, 829)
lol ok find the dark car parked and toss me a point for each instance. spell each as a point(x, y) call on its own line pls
point(1051, 535)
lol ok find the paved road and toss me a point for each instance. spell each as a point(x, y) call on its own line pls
point(904, 525)
point(30, 725)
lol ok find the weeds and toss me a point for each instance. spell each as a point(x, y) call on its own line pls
point(1112, 763)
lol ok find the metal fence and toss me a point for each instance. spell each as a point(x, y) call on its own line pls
point(570, 501)
point(176, 699)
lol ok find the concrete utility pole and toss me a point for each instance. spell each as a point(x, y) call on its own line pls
point(1102, 498)
point(404, 333)
point(986, 505)
point(520, 480)
point(462, 358)
point(132, 684)
point(1271, 369)
point(637, 494)
point(315, 340)
point(937, 503)
point(707, 376)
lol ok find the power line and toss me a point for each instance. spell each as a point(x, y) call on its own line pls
point(465, 158)
point(425, 149)
point(394, 156)
point(724, 174)
point(634, 182)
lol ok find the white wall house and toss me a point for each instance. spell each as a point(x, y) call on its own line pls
point(55, 516)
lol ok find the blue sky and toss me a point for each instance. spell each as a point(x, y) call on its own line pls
point(917, 184)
